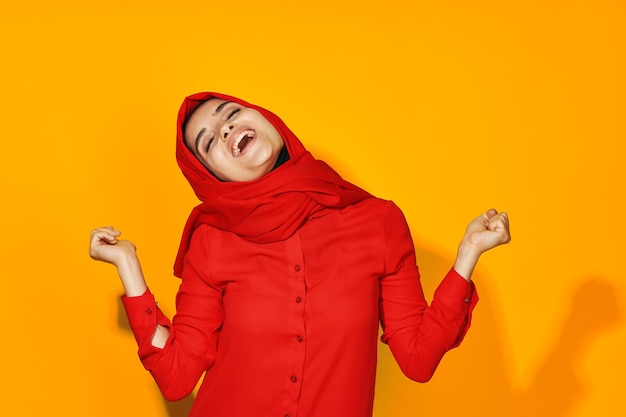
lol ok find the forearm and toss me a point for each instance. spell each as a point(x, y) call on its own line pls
point(135, 285)
point(129, 270)
point(466, 260)
point(106, 247)
point(177, 362)
point(419, 335)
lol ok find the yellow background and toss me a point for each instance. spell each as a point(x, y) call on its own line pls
point(447, 108)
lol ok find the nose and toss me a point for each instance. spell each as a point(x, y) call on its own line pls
point(226, 131)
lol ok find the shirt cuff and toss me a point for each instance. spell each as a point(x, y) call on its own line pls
point(143, 316)
point(456, 292)
point(458, 297)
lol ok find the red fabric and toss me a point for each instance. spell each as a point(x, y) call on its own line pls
point(289, 328)
point(284, 283)
point(268, 209)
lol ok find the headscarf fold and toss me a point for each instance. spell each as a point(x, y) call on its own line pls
point(269, 209)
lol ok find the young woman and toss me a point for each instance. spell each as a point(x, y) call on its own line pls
point(287, 271)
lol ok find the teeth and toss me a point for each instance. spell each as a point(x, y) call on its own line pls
point(236, 151)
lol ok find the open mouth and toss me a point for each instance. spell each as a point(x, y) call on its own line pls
point(242, 141)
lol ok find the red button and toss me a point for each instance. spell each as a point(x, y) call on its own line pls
point(298, 300)
point(293, 378)
point(299, 339)
point(297, 268)
point(148, 311)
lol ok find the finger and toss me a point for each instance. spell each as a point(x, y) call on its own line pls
point(497, 218)
point(500, 225)
point(490, 213)
point(495, 222)
point(486, 216)
point(106, 239)
point(107, 230)
point(504, 218)
point(104, 235)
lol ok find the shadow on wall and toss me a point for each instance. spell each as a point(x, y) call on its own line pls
point(473, 379)
point(556, 386)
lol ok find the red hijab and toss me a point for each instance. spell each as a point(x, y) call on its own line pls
point(268, 209)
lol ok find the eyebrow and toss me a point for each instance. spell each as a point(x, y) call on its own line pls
point(202, 131)
point(220, 107)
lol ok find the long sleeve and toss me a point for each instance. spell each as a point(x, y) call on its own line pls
point(418, 334)
point(192, 343)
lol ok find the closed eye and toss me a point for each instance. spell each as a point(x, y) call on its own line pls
point(209, 142)
point(232, 113)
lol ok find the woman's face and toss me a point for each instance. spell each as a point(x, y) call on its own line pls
point(234, 142)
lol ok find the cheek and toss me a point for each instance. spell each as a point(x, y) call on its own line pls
point(273, 136)
point(217, 159)
point(278, 141)
point(212, 160)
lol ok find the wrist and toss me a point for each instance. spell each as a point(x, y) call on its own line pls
point(129, 270)
point(127, 261)
point(466, 259)
point(468, 250)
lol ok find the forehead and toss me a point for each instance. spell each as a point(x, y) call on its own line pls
point(204, 110)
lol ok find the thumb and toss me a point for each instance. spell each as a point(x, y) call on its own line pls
point(491, 212)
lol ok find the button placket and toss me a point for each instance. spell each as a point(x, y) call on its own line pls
point(295, 270)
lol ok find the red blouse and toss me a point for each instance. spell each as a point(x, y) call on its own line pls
point(289, 328)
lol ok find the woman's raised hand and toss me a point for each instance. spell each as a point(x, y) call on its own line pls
point(488, 230)
point(106, 247)
point(485, 232)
